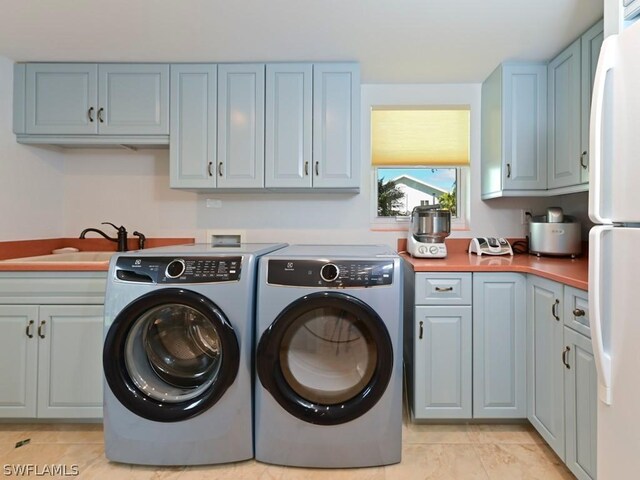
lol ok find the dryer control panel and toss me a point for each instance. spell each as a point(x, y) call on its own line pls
point(178, 270)
point(330, 273)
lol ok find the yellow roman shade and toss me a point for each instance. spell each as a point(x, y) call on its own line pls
point(420, 137)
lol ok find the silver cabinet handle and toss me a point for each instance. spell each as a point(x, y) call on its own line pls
point(209, 169)
point(508, 170)
point(554, 309)
point(317, 168)
point(90, 114)
point(220, 169)
point(100, 112)
point(565, 356)
point(29, 330)
point(306, 169)
point(583, 155)
point(41, 329)
point(421, 330)
point(578, 312)
point(444, 289)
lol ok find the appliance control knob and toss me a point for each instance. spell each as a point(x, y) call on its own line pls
point(422, 250)
point(329, 272)
point(433, 250)
point(175, 268)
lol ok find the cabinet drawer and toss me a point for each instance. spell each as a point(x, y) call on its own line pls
point(443, 288)
point(576, 313)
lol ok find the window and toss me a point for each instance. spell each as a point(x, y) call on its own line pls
point(420, 156)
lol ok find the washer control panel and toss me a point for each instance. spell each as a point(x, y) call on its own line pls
point(330, 273)
point(177, 270)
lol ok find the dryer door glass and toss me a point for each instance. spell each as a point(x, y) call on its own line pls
point(170, 355)
point(328, 355)
point(326, 359)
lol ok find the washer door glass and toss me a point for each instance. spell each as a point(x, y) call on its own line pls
point(173, 352)
point(326, 359)
point(170, 355)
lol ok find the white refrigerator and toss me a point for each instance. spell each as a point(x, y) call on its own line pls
point(614, 253)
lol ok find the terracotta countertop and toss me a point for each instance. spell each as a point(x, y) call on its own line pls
point(573, 272)
point(30, 248)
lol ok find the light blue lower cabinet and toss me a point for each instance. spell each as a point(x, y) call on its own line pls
point(442, 360)
point(51, 361)
point(499, 345)
point(545, 375)
point(580, 389)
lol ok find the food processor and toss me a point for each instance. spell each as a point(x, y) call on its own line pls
point(430, 225)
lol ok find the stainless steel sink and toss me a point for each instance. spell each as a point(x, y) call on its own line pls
point(72, 257)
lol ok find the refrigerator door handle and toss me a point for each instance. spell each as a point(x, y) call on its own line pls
point(606, 62)
point(602, 359)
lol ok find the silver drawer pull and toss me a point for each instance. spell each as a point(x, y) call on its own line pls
point(444, 289)
point(578, 312)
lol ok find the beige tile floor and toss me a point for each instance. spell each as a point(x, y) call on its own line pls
point(442, 452)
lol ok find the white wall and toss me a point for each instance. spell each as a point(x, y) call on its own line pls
point(31, 194)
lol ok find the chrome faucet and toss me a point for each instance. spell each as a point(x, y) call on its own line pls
point(122, 235)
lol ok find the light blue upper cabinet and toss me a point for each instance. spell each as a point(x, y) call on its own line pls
point(499, 345)
point(591, 42)
point(133, 99)
point(192, 145)
point(514, 117)
point(571, 76)
point(91, 104)
point(61, 99)
point(336, 125)
point(241, 89)
point(545, 403)
point(288, 126)
point(564, 118)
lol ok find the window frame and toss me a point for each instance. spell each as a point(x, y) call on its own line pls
point(401, 223)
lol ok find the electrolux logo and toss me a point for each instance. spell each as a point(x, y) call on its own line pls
point(28, 469)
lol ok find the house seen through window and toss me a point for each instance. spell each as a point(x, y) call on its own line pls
point(418, 155)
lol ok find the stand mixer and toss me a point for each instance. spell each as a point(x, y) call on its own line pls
point(430, 225)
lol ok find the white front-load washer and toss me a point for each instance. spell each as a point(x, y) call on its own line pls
point(177, 354)
point(328, 389)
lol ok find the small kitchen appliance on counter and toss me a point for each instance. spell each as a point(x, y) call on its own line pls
point(555, 234)
point(430, 225)
point(490, 246)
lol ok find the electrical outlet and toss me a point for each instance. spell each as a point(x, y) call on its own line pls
point(214, 203)
point(525, 213)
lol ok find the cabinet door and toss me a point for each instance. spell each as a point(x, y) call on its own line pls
point(525, 127)
point(442, 362)
point(545, 374)
point(192, 145)
point(336, 125)
point(18, 361)
point(62, 98)
point(564, 118)
point(288, 126)
point(499, 345)
point(591, 42)
point(133, 99)
point(240, 126)
point(581, 396)
point(70, 361)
